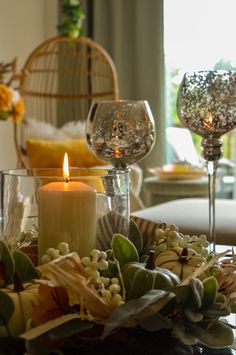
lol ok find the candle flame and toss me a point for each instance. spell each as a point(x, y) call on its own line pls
point(66, 173)
point(208, 121)
point(118, 153)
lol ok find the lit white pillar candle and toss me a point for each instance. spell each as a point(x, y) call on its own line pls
point(67, 212)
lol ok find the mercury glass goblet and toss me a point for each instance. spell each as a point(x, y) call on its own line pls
point(206, 104)
point(120, 132)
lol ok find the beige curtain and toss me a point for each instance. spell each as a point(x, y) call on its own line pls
point(132, 33)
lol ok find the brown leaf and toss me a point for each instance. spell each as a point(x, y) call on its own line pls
point(54, 303)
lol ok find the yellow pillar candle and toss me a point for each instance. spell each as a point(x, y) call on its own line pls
point(67, 212)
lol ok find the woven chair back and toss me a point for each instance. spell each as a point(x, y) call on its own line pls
point(61, 78)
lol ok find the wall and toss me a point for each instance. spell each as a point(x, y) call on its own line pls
point(24, 24)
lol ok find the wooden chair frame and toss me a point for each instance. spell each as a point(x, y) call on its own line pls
point(62, 77)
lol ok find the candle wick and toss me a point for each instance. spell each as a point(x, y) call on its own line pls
point(66, 178)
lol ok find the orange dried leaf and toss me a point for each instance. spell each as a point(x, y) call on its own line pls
point(54, 303)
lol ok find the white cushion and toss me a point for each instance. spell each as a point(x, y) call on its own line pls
point(192, 217)
point(43, 130)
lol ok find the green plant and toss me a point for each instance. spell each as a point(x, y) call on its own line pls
point(72, 18)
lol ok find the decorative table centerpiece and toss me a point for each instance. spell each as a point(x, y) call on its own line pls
point(144, 286)
point(128, 294)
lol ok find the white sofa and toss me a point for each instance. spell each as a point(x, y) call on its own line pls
point(191, 215)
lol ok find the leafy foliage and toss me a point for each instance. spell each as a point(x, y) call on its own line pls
point(123, 249)
point(73, 17)
point(24, 266)
point(191, 310)
point(16, 261)
point(7, 262)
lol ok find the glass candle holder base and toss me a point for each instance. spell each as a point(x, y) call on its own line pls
point(40, 208)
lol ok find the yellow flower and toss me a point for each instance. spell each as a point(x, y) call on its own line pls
point(18, 110)
point(11, 104)
point(6, 96)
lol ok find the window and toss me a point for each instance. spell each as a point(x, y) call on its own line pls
point(198, 35)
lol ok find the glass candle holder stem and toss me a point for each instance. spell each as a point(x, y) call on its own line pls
point(212, 152)
point(211, 171)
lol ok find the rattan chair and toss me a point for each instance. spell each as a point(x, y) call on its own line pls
point(60, 79)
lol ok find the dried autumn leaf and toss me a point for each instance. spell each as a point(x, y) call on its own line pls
point(54, 303)
point(68, 272)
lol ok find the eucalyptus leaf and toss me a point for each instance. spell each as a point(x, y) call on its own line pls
point(123, 249)
point(47, 327)
point(220, 298)
point(6, 308)
point(215, 334)
point(130, 309)
point(155, 323)
point(70, 328)
point(233, 308)
point(197, 291)
point(135, 236)
point(216, 310)
point(24, 266)
point(8, 262)
point(182, 292)
point(210, 288)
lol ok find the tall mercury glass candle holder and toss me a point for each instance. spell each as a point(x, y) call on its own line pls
point(206, 104)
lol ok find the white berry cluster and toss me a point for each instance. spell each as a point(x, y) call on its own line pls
point(27, 237)
point(54, 253)
point(171, 237)
point(107, 288)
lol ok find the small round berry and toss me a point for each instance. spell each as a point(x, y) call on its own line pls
point(114, 288)
point(204, 251)
point(95, 253)
point(106, 294)
point(187, 238)
point(91, 272)
point(105, 280)
point(115, 280)
point(183, 244)
point(85, 260)
point(173, 227)
point(205, 244)
point(45, 259)
point(63, 248)
point(198, 249)
point(189, 245)
point(202, 237)
point(194, 238)
point(29, 235)
point(94, 265)
point(53, 253)
point(103, 265)
point(117, 299)
point(102, 255)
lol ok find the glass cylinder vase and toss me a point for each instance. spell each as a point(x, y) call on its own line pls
point(41, 209)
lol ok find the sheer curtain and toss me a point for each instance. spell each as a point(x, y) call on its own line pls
point(132, 33)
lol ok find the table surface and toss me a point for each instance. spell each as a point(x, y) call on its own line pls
point(154, 180)
point(159, 190)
